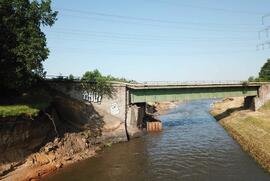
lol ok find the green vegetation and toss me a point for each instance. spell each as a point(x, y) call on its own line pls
point(17, 110)
point(95, 74)
point(22, 43)
point(22, 50)
point(94, 81)
point(250, 129)
point(28, 104)
point(116, 79)
point(264, 74)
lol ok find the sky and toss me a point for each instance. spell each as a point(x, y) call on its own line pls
point(159, 40)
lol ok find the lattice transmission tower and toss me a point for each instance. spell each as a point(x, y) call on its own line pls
point(263, 35)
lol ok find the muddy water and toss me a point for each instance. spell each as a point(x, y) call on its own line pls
point(193, 146)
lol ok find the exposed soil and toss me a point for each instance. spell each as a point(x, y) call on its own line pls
point(250, 129)
point(54, 155)
point(70, 132)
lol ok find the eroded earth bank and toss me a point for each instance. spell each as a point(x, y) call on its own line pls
point(66, 132)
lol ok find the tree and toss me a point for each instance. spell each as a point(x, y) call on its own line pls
point(251, 79)
point(92, 76)
point(116, 79)
point(95, 82)
point(264, 74)
point(22, 43)
point(71, 77)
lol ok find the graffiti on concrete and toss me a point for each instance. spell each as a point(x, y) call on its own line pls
point(114, 109)
point(92, 97)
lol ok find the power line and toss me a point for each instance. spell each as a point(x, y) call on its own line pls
point(128, 44)
point(147, 53)
point(178, 27)
point(152, 48)
point(207, 8)
point(106, 35)
point(136, 35)
point(92, 13)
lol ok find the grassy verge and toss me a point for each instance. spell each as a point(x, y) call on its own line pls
point(16, 110)
point(28, 103)
point(251, 130)
point(265, 107)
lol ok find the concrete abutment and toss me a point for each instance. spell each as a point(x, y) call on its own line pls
point(116, 107)
point(262, 98)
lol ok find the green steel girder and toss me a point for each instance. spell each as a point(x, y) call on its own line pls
point(182, 94)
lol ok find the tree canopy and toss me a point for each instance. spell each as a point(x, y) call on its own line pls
point(264, 74)
point(22, 42)
point(94, 81)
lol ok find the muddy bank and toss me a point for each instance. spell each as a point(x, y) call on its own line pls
point(54, 155)
point(250, 129)
point(69, 131)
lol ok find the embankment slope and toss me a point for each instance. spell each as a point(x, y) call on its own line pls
point(250, 129)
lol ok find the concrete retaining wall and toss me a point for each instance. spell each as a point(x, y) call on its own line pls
point(115, 106)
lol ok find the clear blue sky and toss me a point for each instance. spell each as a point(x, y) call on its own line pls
point(158, 40)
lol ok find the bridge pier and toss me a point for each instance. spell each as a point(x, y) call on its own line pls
point(134, 121)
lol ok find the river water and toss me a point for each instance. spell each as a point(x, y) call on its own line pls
point(193, 146)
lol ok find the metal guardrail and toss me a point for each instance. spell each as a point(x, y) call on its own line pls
point(193, 82)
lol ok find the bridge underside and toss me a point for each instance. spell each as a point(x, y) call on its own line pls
point(184, 94)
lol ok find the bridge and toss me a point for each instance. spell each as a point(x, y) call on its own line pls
point(139, 93)
point(128, 103)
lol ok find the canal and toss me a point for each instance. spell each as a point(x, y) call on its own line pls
point(193, 146)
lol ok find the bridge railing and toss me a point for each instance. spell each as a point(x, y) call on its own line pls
point(192, 82)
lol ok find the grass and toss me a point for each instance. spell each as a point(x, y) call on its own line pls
point(29, 103)
point(266, 106)
point(252, 132)
point(17, 110)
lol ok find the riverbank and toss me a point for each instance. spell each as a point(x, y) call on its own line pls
point(250, 129)
point(53, 156)
point(33, 146)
